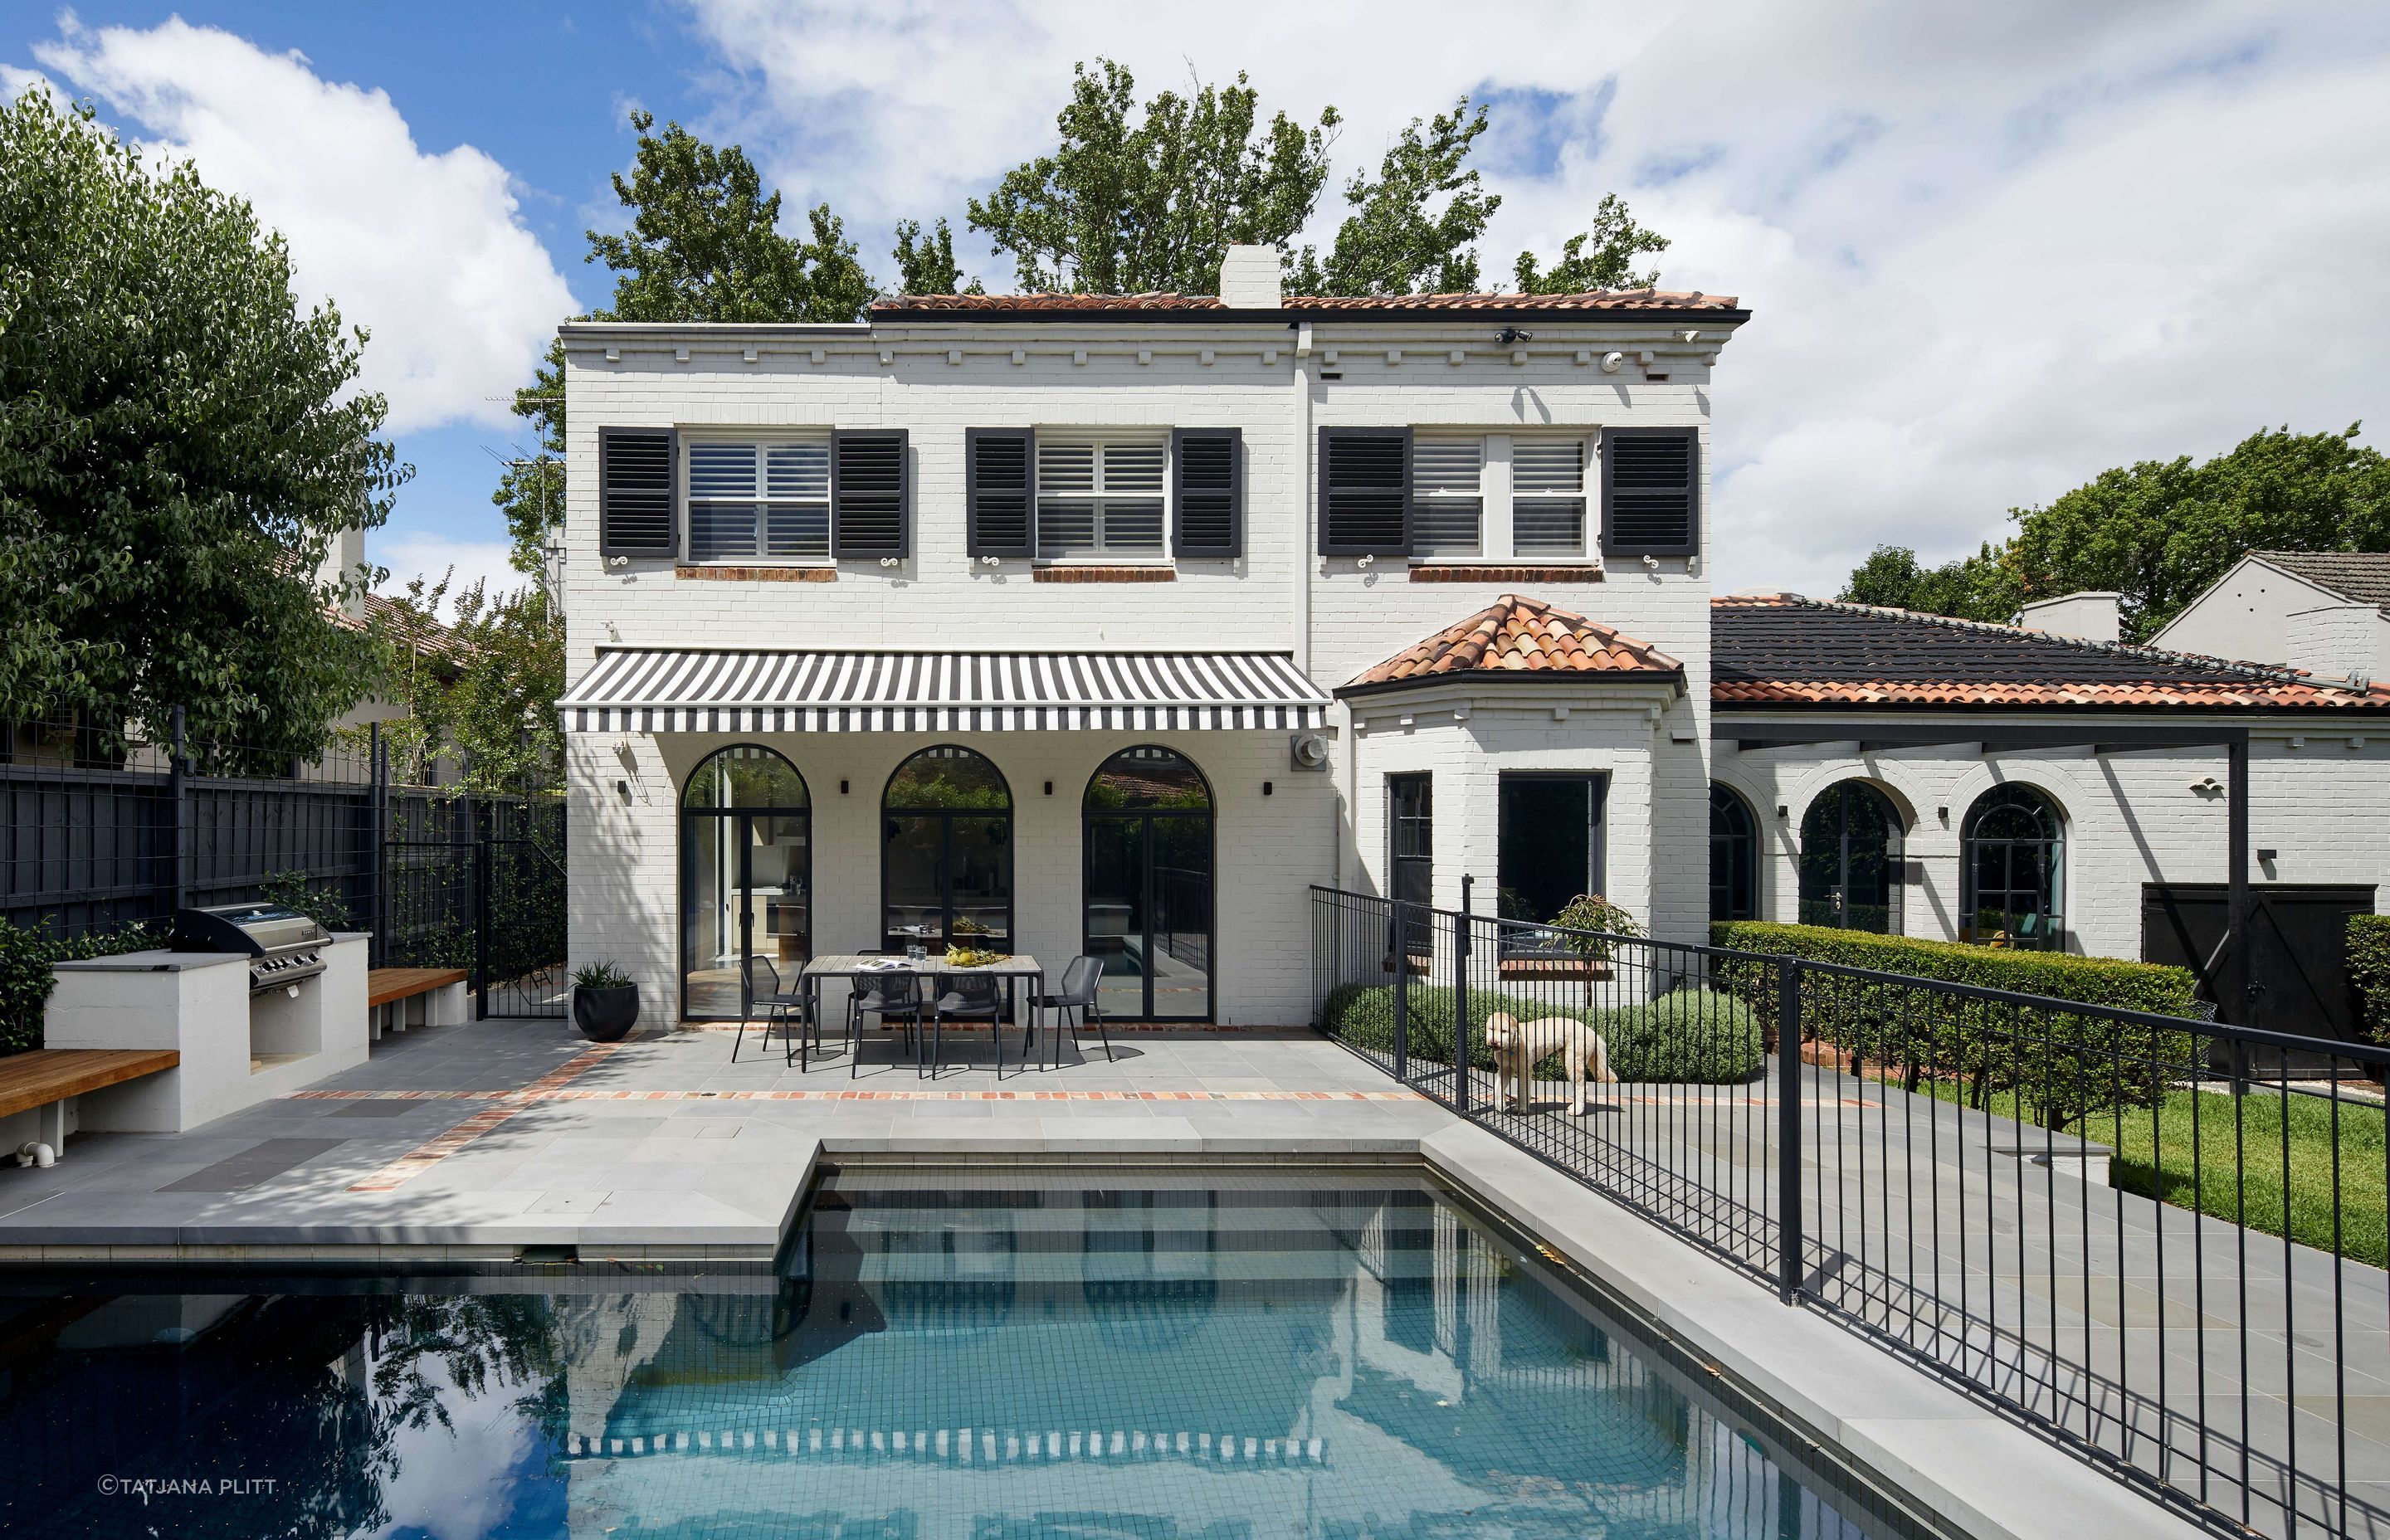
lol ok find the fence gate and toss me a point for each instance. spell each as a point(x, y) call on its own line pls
point(477, 883)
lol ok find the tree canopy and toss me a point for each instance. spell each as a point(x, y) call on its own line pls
point(1415, 228)
point(1616, 241)
point(1136, 200)
point(179, 445)
point(2159, 532)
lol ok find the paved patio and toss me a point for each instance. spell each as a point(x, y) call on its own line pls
point(498, 1135)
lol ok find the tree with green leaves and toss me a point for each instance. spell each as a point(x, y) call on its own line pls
point(1415, 228)
point(2160, 532)
point(1615, 241)
point(1974, 588)
point(180, 445)
point(704, 244)
point(925, 262)
point(1136, 199)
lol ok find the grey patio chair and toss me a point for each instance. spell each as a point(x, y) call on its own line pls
point(1080, 977)
point(971, 997)
point(893, 993)
point(788, 1010)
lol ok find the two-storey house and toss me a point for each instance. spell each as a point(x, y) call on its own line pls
point(1113, 625)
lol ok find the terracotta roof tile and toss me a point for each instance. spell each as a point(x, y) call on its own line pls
point(1516, 636)
point(1672, 301)
point(1784, 649)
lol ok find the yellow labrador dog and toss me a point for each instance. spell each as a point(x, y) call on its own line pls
point(1518, 1047)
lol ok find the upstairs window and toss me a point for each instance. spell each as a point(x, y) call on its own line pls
point(1447, 495)
point(1548, 497)
point(751, 500)
point(1101, 497)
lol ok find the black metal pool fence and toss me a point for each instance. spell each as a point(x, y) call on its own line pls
point(1965, 1176)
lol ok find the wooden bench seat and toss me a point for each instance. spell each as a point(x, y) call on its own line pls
point(384, 986)
point(431, 997)
point(46, 1077)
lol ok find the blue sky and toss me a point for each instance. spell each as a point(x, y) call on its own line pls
point(1991, 251)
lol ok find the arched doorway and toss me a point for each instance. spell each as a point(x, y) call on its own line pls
point(746, 885)
point(1851, 841)
point(1148, 885)
point(1734, 856)
point(945, 853)
point(2011, 851)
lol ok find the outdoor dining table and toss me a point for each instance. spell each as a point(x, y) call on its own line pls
point(852, 966)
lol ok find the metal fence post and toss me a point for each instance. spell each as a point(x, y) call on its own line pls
point(374, 814)
point(1788, 1238)
point(1402, 992)
point(178, 829)
point(480, 908)
point(1461, 1043)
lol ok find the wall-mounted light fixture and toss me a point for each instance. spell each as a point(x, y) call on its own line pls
point(1049, 788)
point(841, 788)
point(1782, 811)
point(623, 789)
point(1268, 788)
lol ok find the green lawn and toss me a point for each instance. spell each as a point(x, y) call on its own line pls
point(2153, 1157)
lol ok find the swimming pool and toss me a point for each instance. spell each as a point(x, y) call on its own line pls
point(994, 1353)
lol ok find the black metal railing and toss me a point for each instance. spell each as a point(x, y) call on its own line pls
point(2160, 1242)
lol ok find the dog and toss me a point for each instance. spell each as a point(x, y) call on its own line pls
point(1518, 1047)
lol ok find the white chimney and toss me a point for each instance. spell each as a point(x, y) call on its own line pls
point(1249, 278)
point(2092, 615)
point(341, 561)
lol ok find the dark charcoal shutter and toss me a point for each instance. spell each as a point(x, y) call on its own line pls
point(634, 492)
point(869, 511)
point(999, 491)
point(1207, 492)
point(1651, 498)
point(1365, 492)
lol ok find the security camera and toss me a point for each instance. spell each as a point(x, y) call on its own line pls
point(1510, 337)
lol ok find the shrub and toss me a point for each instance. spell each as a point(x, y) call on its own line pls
point(26, 980)
point(1695, 1037)
point(600, 975)
point(2369, 970)
point(2063, 1067)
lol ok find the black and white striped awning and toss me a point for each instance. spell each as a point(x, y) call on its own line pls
point(688, 690)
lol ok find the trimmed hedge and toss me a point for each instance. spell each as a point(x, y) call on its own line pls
point(1692, 1036)
point(2368, 969)
point(26, 980)
point(2063, 1068)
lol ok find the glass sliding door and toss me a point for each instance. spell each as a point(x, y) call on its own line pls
point(947, 853)
point(746, 878)
point(1148, 885)
point(1851, 863)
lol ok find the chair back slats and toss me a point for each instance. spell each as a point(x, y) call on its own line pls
point(896, 989)
point(973, 991)
point(1079, 981)
point(762, 979)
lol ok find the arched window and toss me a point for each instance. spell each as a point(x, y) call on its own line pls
point(2011, 852)
point(1734, 856)
point(746, 888)
point(945, 866)
point(1850, 860)
point(1147, 831)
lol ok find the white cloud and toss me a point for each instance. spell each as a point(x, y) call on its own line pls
point(431, 556)
point(1991, 251)
point(424, 251)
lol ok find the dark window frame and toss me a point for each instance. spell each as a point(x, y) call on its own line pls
point(687, 824)
point(1145, 816)
point(1516, 939)
point(1738, 851)
point(1833, 906)
point(2049, 848)
point(946, 845)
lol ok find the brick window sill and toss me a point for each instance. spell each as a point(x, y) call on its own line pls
point(1105, 574)
point(1457, 571)
point(709, 572)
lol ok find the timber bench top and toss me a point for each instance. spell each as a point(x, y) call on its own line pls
point(384, 986)
point(45, 1075)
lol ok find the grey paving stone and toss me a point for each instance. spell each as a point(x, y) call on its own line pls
point(269, 1159)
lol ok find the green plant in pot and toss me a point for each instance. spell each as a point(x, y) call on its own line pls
point(605, 1002)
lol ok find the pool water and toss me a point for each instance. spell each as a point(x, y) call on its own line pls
point(994, 1355)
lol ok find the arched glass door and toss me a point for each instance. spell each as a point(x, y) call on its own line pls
point(946, 865)
point(1850, 860)
point(2011, 847)
point(1148, 885)
point(746, 887)
point(1734, 856)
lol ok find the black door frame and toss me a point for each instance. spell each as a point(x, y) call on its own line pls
point(946, 816)
point(1088, 816)
point(745, 817)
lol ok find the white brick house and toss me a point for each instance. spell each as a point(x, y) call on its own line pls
point(929, 573)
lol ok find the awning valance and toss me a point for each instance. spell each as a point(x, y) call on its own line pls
point(693, 690)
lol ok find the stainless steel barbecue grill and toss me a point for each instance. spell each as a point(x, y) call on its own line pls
point(283, 945)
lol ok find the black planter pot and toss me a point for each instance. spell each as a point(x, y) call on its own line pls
point(606, 1015)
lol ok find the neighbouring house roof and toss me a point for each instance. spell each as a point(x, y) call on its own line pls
point(432, 638)
point(2361, 577)
point(1782, 650)
point(1654, 301)
point(815, 690)
point(1517, 638)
